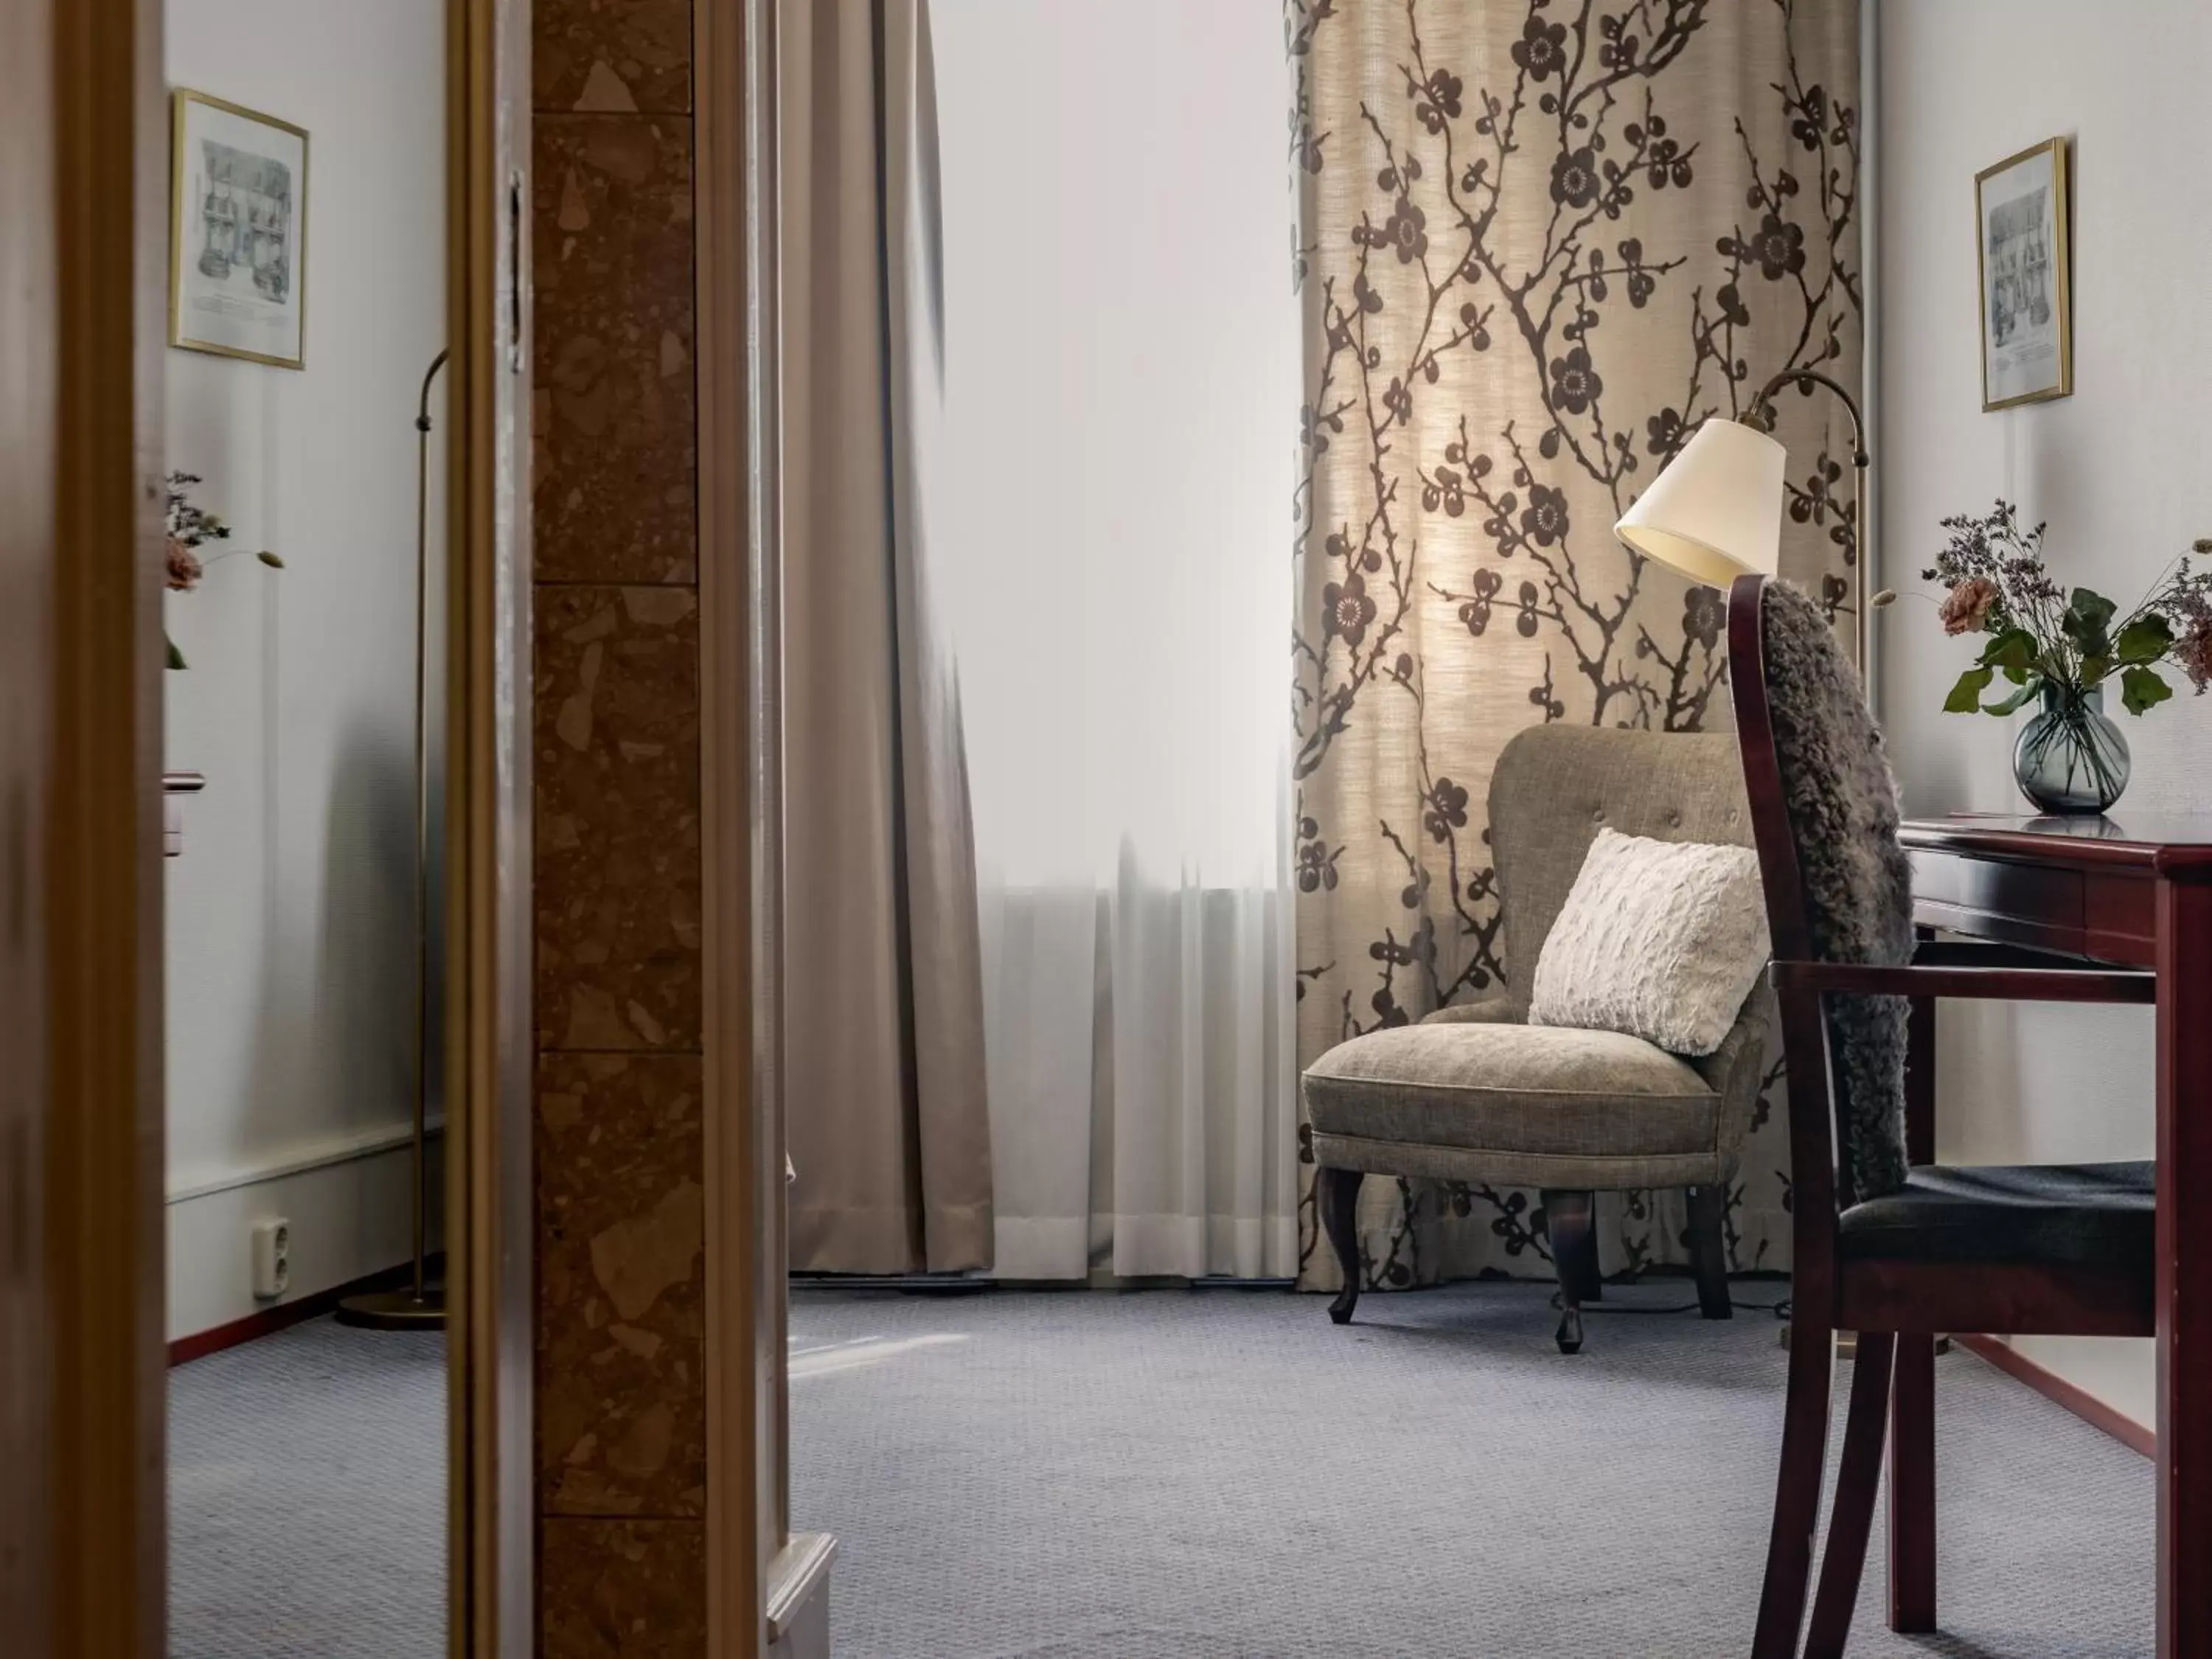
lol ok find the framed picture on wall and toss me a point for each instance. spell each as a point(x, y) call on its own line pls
point(2028, 327)
point(238, 232)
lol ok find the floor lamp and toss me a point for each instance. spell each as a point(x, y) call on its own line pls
point(1714, 511)
point(419, 1305)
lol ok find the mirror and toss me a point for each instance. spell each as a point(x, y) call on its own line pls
point(306, 449)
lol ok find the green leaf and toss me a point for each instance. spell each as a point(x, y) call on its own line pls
point(2006, 705)
point(2146, 639)
point(2140, 688)
point(270, 559)
point(1966, 695)
point(176, 656)
point(2089, 615)
point(2013, 648)
point(2093, 671)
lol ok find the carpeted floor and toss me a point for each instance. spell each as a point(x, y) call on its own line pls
point(1224, 1474)
point(1215, 1475)
point(307, 1498)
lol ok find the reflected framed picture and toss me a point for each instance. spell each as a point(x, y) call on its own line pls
point(238, 232)
point(2027, 307)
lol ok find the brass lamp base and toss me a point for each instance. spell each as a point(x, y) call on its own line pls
point(396, 1310)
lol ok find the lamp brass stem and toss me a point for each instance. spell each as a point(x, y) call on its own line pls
point(1762, 417)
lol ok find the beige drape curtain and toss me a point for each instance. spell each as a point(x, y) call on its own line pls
point(883, 992)
point(1539, 243)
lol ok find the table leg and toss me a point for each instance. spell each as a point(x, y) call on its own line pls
point(2184, 1264)
point(1912, 1405)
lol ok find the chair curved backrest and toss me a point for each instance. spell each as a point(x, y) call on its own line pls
point(1839, 887)
point(1555, 787)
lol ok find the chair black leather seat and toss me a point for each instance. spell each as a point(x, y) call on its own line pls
point(2099, 1215)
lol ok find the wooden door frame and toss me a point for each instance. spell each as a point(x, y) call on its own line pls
point(85, 828)
point(491, 1301)
point(81, 1215)
point(83, 1519)
point(29, 376)
point(767, 1587)
point(738, 1527)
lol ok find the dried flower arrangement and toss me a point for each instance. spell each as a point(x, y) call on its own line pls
point(191, 528)
point(2064, 647)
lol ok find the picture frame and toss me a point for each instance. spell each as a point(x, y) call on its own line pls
point(238, 232)
point(2024, 264)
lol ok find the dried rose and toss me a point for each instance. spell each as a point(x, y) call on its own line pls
point(2194, 653)
point(184, 567)
point(1966, 611)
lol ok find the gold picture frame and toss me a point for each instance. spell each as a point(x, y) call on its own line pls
point(2023, 268)
point(238, 232)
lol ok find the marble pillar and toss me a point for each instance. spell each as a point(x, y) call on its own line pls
point(622, 1469)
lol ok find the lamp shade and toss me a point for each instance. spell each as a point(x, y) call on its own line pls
point(1715, 513)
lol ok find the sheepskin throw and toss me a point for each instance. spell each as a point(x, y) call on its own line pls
point(1661, 940)
point(1858, 885)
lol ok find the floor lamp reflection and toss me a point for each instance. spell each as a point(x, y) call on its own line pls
point(419, 1305)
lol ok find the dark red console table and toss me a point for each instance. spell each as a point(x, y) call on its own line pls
point(2135, 891)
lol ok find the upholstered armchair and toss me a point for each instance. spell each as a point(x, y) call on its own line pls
point(1474, 1093)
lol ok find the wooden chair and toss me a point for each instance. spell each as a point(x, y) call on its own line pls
point(2013, 1249)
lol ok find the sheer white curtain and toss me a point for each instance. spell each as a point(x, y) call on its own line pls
point(1122, 338)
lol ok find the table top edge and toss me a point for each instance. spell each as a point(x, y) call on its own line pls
point(2180, 846)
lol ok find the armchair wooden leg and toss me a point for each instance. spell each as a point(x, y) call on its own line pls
point(1709, 1250)
point(1912, 1488)
point(1857, 1475)
point(1797, 1488)
point(1571, 1218)
point(1336, 1196)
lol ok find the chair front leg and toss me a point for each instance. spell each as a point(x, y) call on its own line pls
point(1709, 1249)
point(1797, 1488)
point(1336, 1197)
point(1851, 1518)
point(1570, 1220)
point(1912, 1488)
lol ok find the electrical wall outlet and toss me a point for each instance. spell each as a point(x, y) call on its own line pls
point(272, 1258)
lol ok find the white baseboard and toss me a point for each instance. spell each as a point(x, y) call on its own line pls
point(350, 1204)
point(183, 1185)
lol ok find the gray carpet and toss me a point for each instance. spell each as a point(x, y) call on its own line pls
point(1195, 1476)
point(307, 1498)
point(1223, 1474)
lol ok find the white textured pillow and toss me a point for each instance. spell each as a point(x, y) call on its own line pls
point(1663, 939)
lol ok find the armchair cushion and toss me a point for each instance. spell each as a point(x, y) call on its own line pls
point(1532, 1090)
point(1489, 1011)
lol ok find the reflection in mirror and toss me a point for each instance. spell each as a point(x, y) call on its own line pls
point(307, 448)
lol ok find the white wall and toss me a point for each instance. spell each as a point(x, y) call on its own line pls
point(291, 931)
point(2119, 469)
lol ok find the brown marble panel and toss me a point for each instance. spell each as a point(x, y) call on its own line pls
point(617, 719)
point(620, 1589)
point(612, 55)
point(622, 1405)
point(613, 418)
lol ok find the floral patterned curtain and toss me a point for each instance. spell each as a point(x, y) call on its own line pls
point(1538, 244)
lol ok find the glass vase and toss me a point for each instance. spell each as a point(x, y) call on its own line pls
point(2069, 759)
